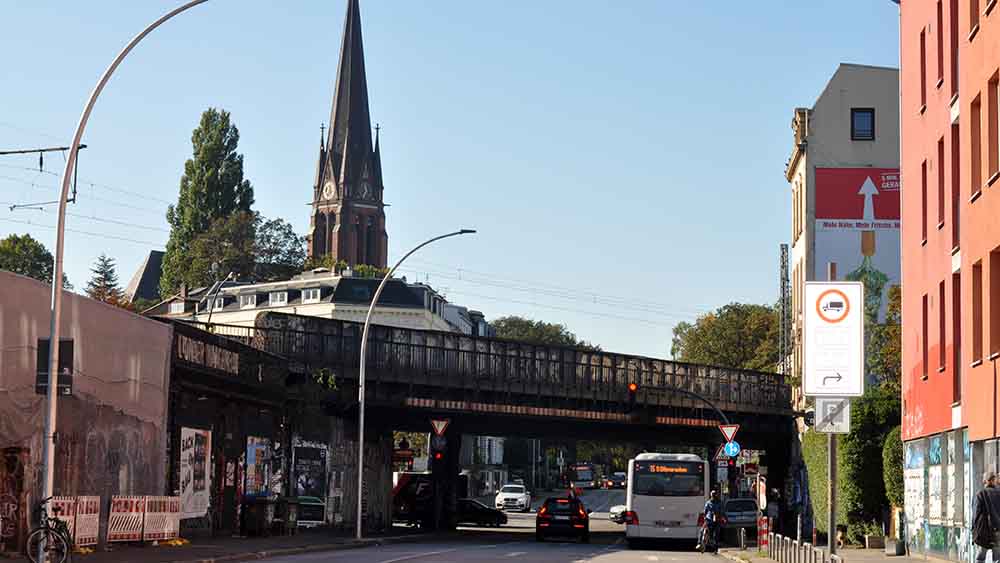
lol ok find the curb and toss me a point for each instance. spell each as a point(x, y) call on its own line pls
point(352, 544)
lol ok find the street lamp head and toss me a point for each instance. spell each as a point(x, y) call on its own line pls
point(467, 231)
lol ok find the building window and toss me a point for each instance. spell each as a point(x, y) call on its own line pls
point(973, 17)
point(953, 47)
point(977, 311)
point(995, 303)
point(942, 324)
point(939, 30)
point(956, 337)
point(924, 339)
point(863, 124)
point(177, 308)
point(215, 304)
point(992, 159)
point(940, 183)
point(277, 298)
point(248, 301)
point(956, 201)
point(923, 69)
point(976, 148)
point(310, 295)
point(923, 201)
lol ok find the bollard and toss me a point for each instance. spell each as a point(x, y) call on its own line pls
point(795, 551)
point(798, 527)
point(743, 539)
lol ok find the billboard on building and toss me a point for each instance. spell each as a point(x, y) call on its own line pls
point(196, 473)
point(857, 227)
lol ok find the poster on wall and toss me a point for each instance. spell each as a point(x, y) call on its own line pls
point(196, 475)
point(310, 471)
point(257, 467)
point(857, 227)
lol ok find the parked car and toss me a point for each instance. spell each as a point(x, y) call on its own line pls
point(513, 497)
point(617, 514)
point(563, 517)
point(616, 480)
point(740, 513)
point(471, 511)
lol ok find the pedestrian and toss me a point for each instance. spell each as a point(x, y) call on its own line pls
point(986, 521)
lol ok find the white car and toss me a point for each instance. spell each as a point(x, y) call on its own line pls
point(513, 497)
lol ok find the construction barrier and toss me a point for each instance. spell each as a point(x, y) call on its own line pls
point(64, 508)
point(125, 518)
point(88, 521)
point(763, 529)
point(162, 518)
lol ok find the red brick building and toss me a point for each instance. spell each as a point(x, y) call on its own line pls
point(950, 58)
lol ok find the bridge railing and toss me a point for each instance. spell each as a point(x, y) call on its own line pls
point(452, 360)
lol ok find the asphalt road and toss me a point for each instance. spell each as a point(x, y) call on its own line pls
point(516, 541)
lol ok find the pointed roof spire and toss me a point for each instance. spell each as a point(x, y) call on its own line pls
point(349, 117)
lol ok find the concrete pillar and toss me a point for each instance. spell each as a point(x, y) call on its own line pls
point(376, 497)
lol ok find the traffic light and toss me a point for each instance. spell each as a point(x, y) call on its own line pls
point(439, 446)
point(633, 389)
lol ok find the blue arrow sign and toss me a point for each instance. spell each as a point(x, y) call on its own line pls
point(732, 449)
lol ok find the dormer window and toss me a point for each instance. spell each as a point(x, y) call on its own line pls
point(177, 308)
point(310, 295)
point(215, 304)
point(248, 301)
point(278, 298)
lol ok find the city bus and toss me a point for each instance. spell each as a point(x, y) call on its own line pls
point(665, 497)
point(583, 476)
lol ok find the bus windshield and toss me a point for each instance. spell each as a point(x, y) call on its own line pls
point(669, 478)
point(583, 474)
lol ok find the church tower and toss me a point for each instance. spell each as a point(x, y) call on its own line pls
point(348, 213)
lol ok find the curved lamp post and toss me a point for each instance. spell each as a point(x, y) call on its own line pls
point(361, 375)
point(57, 270)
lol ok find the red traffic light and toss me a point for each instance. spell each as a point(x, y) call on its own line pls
point(438, 455)
point(633, 387)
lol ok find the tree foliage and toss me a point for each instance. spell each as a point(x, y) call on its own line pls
point(229, 245)
point(103, 285)
point(26, 256)
point(417, 440)
point(885, 343)
point(280, 252)
point(738, 335)
point(211, 188)
point(892, 467)
point(537, 332)
point(339, 266)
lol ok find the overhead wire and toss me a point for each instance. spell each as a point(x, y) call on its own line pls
point(85, 233)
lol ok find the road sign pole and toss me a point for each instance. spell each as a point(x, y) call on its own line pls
point(831, 460)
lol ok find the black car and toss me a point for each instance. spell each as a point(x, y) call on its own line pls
point(616, 480)
point(563, 517)
point(471, 511)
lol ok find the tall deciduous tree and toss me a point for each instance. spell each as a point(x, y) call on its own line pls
point(885, 343)
point(537, 332)
point(738, 335)
point(228, 245)
point(280, 251)
point(103, 285)
point(26, 256)
point(212, 188)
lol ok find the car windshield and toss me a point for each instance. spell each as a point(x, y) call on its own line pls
point(620, 475)
point(561, 506)
point(741, 506)
point(512, 489)
point(669, 478)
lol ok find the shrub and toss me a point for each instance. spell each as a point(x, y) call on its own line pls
point(892, 467)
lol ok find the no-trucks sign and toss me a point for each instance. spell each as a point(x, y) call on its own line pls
point(833, 339)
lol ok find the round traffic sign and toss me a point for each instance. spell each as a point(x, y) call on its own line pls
point(732, 449)
point(833, 306)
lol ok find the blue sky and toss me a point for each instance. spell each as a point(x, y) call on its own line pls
point(622, 161)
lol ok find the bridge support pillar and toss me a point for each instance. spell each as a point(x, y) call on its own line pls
point(376, 498)
point(446, 474)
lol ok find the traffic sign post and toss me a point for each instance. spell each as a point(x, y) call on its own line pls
point(833, 335)
point(732, 449)
point(729, 431)
point(440, 425)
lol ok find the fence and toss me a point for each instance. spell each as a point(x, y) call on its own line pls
point(81, 516)
point(786, 550)
point(143, 518)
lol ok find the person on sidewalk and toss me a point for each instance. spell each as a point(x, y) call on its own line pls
point(986, 519)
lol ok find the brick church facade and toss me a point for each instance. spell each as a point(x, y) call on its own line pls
point(348, 212)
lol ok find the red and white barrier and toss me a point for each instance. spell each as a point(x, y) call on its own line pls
point(161, 520)
point(64, 508)
point(125, 518)
point(763, 529)
point(88, 521)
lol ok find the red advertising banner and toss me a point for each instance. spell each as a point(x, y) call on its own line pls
point(857, 198)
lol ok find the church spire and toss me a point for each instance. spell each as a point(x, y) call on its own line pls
point(349, 117)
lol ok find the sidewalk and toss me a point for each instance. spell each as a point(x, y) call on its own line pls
point(849, 554)
point(211, 550)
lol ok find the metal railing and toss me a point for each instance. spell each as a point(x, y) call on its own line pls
point(426, 357)
point(786, 550)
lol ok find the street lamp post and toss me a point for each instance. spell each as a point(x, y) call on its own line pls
point(48, 454)
point(361, 375)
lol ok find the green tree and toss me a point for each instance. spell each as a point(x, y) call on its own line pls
point(738, 335)
point(26, 256)
point(537, 332)
point(229, 245)
point(892, 467)
point(280, 252)
point(212, 188)
point(417, 441)
point(885, 343)
point(103, 285)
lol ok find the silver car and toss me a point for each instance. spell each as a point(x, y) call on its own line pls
point(741, 513)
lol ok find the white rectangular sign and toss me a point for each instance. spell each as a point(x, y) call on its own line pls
point(833, 333)
point(833, 415)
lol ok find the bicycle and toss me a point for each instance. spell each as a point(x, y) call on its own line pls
point(54, 533)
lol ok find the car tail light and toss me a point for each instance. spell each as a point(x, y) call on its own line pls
point(701, 519)
point(631, 517)
point(581, 512)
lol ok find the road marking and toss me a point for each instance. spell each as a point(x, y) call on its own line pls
point(652, 558)
point(418, 556)
point(516, 553)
